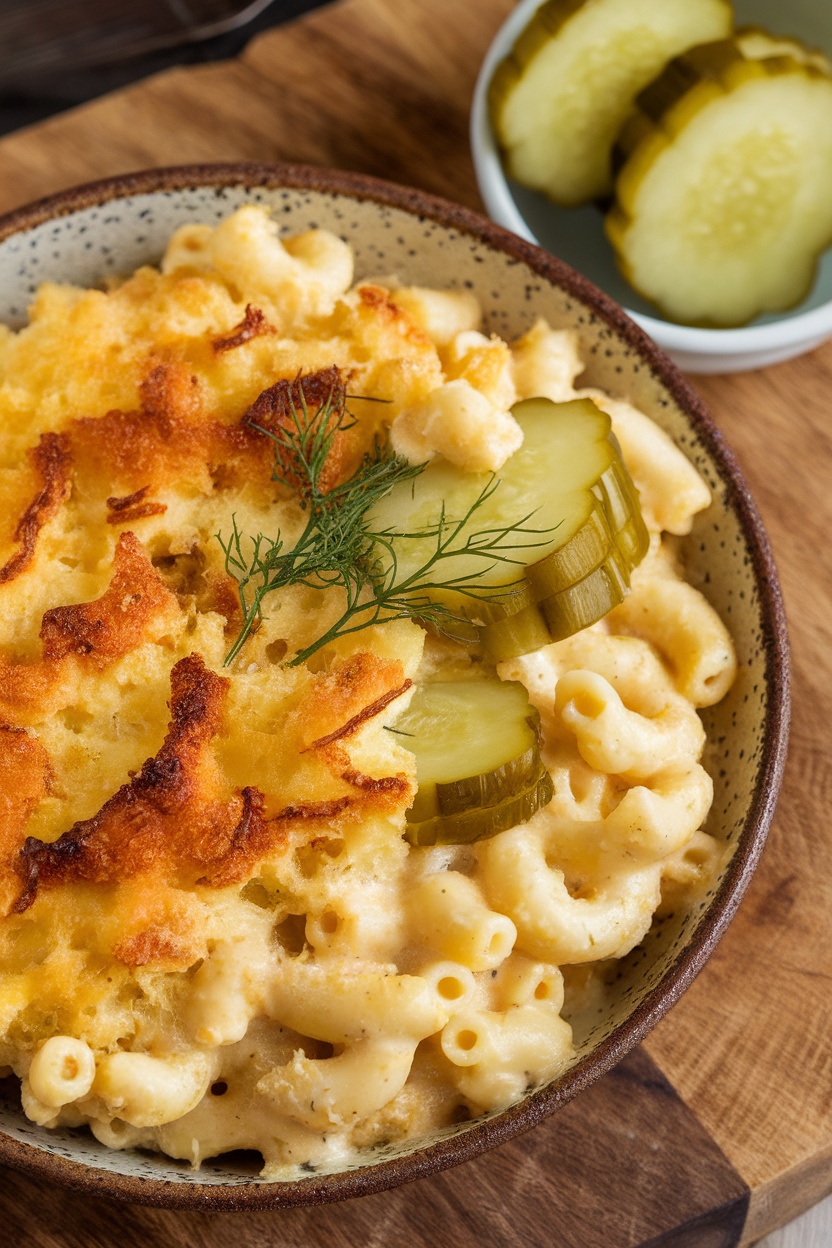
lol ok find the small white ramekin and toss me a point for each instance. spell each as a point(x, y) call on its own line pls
point(576, 235)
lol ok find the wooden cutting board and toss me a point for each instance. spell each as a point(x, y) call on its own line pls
point(720, 1128)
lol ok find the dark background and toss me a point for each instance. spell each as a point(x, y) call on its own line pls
point(33, 96)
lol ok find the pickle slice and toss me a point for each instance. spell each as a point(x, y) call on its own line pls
point(478, 767)
point(569, 479)
point(515, 635)
point(560, 615)
point(590, 600)
point(588, 546)
point(633, 541)
point(560, 97)
point(759, 44)
point(724, 183)
point(479, 825)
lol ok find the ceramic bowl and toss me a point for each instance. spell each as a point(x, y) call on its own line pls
point(87, 234)
point(577, 235)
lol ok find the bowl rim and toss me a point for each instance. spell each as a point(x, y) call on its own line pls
point(480, 1136)
point(809, 327)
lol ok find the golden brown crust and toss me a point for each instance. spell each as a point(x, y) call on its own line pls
point(367, 712)
point(29, 689)
point(25, 778)
point(313, 810)
point(168, 816)
point(51, 461)
point(252, 325)
point(170, 439)
point(165, 441)
point(352, 694)
point(157, 924)
point(153, 944)
point(282, 405)
point(116, 623)
point(170, 394)
point(174, 820)
point(396, 786)
point(376, 300)
point(251, 839)
point(177, 821)
point(222, 595)
point(195, 582)
point(132, 507)
point(349, 690)
point(93, 633)
point(179, 824)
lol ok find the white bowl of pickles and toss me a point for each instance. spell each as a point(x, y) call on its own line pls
point(679, 155)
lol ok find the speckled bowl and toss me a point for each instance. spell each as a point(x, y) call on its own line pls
point(88, 233)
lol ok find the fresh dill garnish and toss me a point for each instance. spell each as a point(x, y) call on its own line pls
point(338, 548)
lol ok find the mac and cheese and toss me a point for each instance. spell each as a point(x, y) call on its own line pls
point(215, 935)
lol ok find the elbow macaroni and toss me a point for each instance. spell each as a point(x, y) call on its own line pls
point(340, 1091)
point(349, 989)
point(147, 1091)
point(499, 1055)
point(448, 913)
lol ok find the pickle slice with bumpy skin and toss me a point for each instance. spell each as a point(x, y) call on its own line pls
point(478, 767)
point(560, 97)
point(464, 829)
point(633, 541)
point(759, 44)
point(590, 600)
point(569, 486)
point(561, 615)
point(585, 550)
point(724, 183)
point(515, 635)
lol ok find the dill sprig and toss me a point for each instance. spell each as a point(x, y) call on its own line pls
point(338, 547)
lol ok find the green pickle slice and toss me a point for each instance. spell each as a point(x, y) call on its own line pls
point(516, 634)
point(559, 98)
point(724, 178)
point(478, 765)
point(582, 604)
point(478, 825)
point(569, 480)
point(759, 44)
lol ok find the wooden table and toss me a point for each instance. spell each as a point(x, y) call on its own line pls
point(720, 1128)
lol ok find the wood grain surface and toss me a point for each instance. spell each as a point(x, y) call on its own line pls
point(744, 1111)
